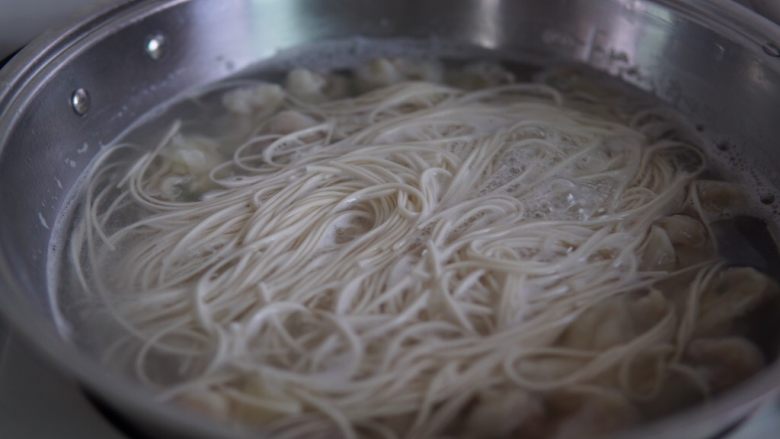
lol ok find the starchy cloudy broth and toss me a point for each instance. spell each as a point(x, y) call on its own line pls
point(413, 248)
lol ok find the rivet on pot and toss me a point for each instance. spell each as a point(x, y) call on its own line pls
point(771, 49)
point(80, 101)
point(154, 46)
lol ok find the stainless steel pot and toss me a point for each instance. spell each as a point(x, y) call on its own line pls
point(70, 92)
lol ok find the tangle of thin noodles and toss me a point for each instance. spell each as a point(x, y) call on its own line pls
point(376, 271)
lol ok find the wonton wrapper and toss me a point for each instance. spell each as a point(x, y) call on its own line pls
point(261, 98)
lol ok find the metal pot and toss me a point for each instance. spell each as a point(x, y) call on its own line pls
point(68, 93)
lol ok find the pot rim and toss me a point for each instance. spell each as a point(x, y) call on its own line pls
point(29, 69)
point(21, 78)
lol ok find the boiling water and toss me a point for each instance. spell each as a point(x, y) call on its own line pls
point(87, 322)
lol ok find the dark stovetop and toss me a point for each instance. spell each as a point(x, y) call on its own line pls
point(38, 402)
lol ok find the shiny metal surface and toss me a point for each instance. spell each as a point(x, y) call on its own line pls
point(155, 46)
point(80, 101)
point(708, 58)
point(23, 20)
point(767, 8)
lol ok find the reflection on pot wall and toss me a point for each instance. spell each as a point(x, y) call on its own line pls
point(23, 20)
